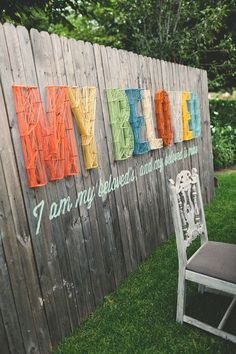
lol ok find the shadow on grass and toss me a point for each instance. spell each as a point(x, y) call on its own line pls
point(210, 308)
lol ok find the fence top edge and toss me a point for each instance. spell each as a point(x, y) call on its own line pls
point(7, 24)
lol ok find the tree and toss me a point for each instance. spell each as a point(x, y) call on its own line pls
point(39, 14)
point(196, 33)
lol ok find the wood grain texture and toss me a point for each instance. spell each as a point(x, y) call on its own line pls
point(53, 280)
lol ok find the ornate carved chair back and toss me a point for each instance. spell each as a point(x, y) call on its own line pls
point(187, 211)
point(213, 265)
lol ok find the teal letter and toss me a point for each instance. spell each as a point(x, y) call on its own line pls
point(40, 206)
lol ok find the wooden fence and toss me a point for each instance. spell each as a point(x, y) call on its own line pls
point(52, 279)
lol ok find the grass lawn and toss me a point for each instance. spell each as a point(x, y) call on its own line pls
point(139, 317)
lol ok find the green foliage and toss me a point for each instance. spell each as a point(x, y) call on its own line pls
point(81, 29)
point(140, 316)
point(223, 144)
point(38, 14)
point(223, 120)
point(196, 33)
point(223, 112)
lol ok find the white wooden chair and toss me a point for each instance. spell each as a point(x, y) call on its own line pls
point(213, 265)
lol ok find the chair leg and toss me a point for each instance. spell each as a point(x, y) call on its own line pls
point(181, 297)
point(201, 288)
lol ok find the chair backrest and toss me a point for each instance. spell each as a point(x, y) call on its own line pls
point(187, 211)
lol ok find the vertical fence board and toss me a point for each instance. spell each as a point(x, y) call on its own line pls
point(24, 259)
point(130, 194)
point(3, 338)
point(93, 245)
point(75, 237)
point(116, 196)
point(11, 326)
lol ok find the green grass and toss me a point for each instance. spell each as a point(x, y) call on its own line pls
point(139, 317)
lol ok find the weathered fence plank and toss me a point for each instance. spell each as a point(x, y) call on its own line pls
point(23, 249)
point(75, 237)
point(96, 261)
point(115, 199)
point(3, 338)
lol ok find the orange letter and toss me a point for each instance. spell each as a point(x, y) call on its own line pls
point(162, 106)
point(30, 115)
point(61, 154)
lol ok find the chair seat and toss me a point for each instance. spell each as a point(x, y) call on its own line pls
point(215, 259)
